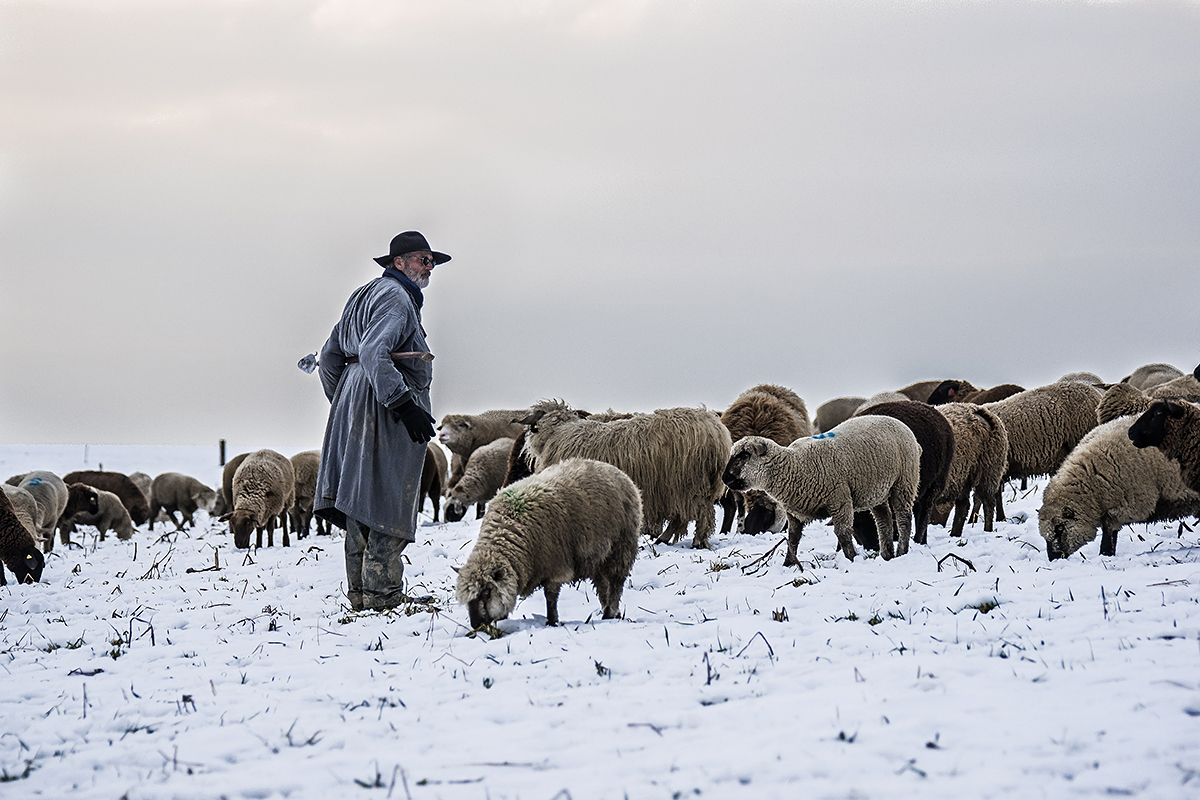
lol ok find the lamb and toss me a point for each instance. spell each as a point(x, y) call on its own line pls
point(1172, 427)
point(483, 477)
point(980, 458)
point(574, 520)
point(110, 515)
point(173, 491)
point(18, 551)
point(119, 484)
point(954, 391)
point(51, 495)
point(433, 477)
point(936, 438)
point(834, 412)
point(869, 462)
point(1151, 375)
point(675, 457)
point(781, 416)
point(305, 465)
point(1107, 483)
point(264, 487)
point(1043, 426)
point(463, 433)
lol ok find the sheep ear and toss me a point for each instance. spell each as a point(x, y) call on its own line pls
point(1175, 409)
point(531, 418)
point(498, 574)
point(582, 414)
point(759, 447)
point(225, 517)
point(456, 569)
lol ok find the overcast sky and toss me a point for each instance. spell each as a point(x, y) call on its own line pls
point(649, 204)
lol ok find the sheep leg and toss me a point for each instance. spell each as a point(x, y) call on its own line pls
point(989, 512)
point(706, 523)
point(883, 526)
point(904, 525)
point(676, 528)
point(1000, 516)
point(286, 543)
point(258, 540)
point(178, 523)
point(728, 510)
point(1108, 539)
point(961, 506)
point(795, 529)
point(154, 509)
point(921, 511)
point(479, 510)
point(551, 590)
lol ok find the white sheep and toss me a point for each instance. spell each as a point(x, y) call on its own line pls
point(866, 463)
point(263, 487)
point(1107, 483)
point(675, 457)
point(482, 478)
point(576, 520)
point(51, 496)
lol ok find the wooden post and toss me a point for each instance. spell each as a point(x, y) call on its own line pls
point(222, 454)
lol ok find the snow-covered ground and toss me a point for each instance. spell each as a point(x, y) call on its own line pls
point(138, 670)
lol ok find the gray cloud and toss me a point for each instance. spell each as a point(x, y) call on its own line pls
point(648, 204)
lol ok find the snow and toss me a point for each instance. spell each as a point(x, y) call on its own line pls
point(135, 671)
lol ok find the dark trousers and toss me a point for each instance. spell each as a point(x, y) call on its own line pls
point(374, 567)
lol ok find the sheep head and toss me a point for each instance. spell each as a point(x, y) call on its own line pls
point(1152, 427)
point(204, 498)
point(453, 429)
point(488, 588)
point(1064, 532)
point(745, 463)
point(241, 524)
point(28, 568)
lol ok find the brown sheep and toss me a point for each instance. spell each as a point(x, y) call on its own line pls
point(119, 484)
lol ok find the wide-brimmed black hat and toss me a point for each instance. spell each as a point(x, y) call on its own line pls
point(409, 242)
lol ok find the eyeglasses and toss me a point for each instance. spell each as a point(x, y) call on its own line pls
point(425, 261)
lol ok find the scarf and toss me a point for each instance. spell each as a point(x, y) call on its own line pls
point(413, 290)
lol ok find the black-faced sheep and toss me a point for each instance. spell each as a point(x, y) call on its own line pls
point(81, 499)
point(675, 456)
point(575, 520)
point(304, 466)
point(24, 506)
point(119, 484)
point(834, 412)
point(1150, 375)
point(980, 459)
point(866, 463)
point(955, 391)
point(110, 515)
point(774, 412)
point(1043, 426)
point(1174, 428)
point(481, 480)
point(264, 487)
point(18, 551)
point(1108, 483)
point(936, 438)
point(463, 433)
point(174, 491)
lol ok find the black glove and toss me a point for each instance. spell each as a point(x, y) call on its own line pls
point(416, 419)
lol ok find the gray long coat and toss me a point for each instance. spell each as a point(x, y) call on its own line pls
point(370, 467)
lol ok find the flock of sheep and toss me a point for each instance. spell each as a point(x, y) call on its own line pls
point(565, 495)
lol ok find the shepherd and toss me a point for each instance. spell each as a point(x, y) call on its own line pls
point(380, 421)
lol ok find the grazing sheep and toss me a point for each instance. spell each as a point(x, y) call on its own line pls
point(1107, 483)
point(482, 479)
point(51, 495)
point(110, 515)
point(304, 466)
point(1121, 400)
point(1151, 375)
point(18, 551)
point(778, 414)
point(119, 484)
point(675, 457)
point(575, 520)
point(869, 462)
point(980, 458)
point(81, 498)
point(1173, 428)
point(264, 487)
point(173, 491)
point(15, 480)
point(463, 433)
point(1043, 427)
point(836, 411)
point(433, 477)
point(936, 438)
point(1185, 387)
point(963, 392)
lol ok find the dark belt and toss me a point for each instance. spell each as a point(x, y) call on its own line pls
point(419, 355)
